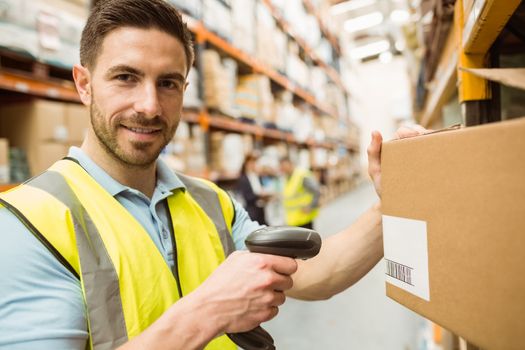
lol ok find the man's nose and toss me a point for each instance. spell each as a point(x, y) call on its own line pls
point(148, 102)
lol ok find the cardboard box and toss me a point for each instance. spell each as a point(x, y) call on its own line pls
point(513, 77)
point(454, 230)
point(46, 154)
point(43, 129)
point(77, 121)
point(38, 120)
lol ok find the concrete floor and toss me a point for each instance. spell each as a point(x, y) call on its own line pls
point(362, 317)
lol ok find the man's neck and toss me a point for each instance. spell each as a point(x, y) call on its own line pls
point(142, 179)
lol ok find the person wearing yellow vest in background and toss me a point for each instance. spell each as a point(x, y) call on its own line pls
point(109, 249)
point(301, 195)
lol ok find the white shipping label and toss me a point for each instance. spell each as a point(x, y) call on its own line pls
point(406, 255)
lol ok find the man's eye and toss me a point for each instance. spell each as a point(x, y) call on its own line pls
point(124, 77)
point(169, 84)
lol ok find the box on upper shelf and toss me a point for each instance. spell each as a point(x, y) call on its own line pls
point(43, 129)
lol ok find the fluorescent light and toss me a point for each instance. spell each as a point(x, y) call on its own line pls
point(363, 22)
point(347, 6)
point(400, 45)
point(371, 49)
point(399, 16)
point(385, 57)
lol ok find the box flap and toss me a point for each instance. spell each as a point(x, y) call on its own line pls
point(514, 77)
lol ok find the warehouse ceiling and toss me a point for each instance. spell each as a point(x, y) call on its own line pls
point(372, 28)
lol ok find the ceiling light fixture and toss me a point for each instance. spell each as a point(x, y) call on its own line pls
point(347, 6)
point(399, 16)
point(371, 49)
point(363, 22)
point(385, 57)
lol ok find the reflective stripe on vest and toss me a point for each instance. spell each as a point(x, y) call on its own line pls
point(297, 198)
point(74, 216)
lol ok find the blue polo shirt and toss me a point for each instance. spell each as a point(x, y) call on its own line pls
point(41, 304)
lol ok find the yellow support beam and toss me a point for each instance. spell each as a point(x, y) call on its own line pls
point(470, 87)
point(484, 23)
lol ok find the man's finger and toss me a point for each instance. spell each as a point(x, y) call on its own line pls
point(406, 131)
point(374, 151)
point(283, 265)
point(375, 144)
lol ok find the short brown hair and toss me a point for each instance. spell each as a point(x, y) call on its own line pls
point(108, 15)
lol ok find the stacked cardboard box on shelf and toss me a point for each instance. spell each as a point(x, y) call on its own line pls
point(303, 24)
point(217, 17)
point(194, 8)
point(285, 112)
point(335, 99)
point(43, 129)
point(296, 69)
point(303, 128)
point(174, 154)
point(271, 41)
point(243, 16)
point(254, 99)
point(191, 94)
point(317, 83)
point(220, 80)
point(49, 30)
point(186, 152)
point(195, 157)
point(226, 153)
point(319, 157)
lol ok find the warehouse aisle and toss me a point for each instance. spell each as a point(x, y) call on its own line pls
point(362, 318)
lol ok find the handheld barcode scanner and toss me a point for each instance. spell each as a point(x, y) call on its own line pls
point(290, 241)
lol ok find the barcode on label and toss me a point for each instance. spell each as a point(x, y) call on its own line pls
point(399, 271)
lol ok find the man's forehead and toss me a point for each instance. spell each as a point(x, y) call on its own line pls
point(138, 47)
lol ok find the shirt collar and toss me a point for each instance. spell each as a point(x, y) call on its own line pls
point(167, 180)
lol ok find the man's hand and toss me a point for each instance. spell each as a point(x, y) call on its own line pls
point(374, 151)
point(374, 160)
point(245, 290)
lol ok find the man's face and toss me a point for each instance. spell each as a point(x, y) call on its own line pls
point(137, 89)
point(286, 167)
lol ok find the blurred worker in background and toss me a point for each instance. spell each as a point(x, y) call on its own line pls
point(273, 183)
point(251, 190)
point(301, 195)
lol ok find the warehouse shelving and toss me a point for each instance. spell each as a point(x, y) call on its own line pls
point(19, 82)
point(470, 38)
point(444, 84)
point(485, 22)
point(219, 122)
point(330, 71)
point(23, 74)
point(204, 35)
point(64, 90)
point(329, 35)
point(26, 76)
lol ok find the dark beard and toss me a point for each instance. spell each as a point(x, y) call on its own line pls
point(139, 157)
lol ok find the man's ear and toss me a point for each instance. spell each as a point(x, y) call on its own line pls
point(82, 79)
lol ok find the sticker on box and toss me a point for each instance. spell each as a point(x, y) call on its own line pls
point(406, 255)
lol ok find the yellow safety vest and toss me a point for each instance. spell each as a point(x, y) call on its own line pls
point(126, 283)
point(297, 198)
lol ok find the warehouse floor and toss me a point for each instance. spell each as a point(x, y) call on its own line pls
point(361, 318)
